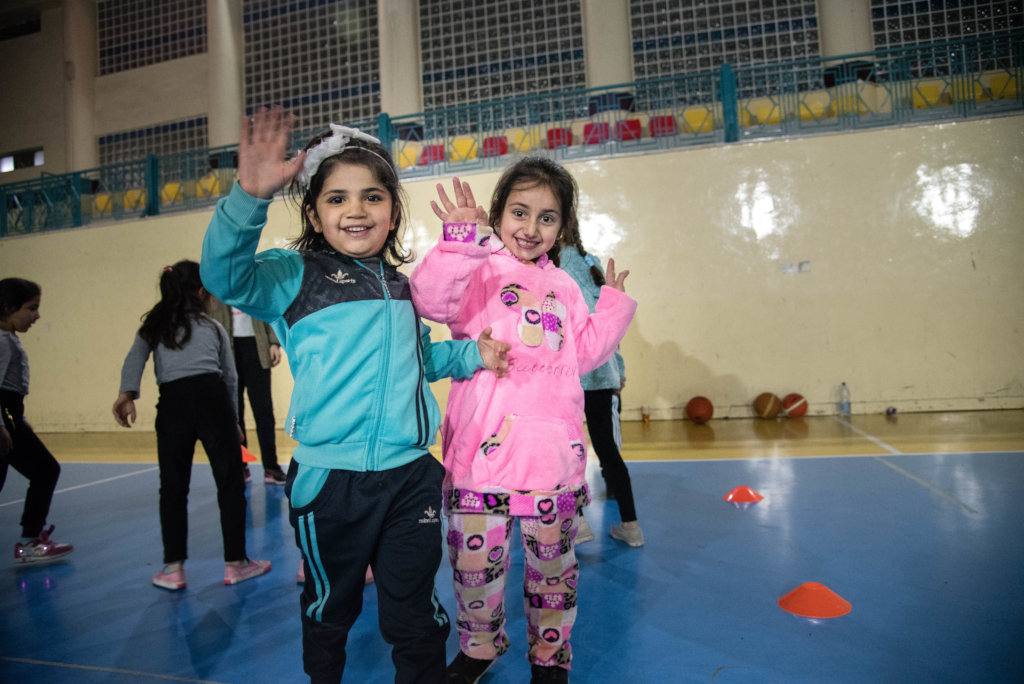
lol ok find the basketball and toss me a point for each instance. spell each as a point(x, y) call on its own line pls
point(699, 410)
point(794, 405)
point(767, 405)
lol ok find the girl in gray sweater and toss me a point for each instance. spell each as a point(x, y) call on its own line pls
point(196, 375)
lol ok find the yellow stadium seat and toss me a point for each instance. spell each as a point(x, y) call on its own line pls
point(463, 148)
point(849, 104)
point(208, 186)
point(523, 139)
point(1003, 87)
point(928, 96)
point(698, 120)
point(406, 152)
point(172, 192)
point(134, 199)
point(971, 91)
point(814, 110)
point(763, 111)
point(101, 204)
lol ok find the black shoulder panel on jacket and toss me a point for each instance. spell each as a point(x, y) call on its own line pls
point(330, 279)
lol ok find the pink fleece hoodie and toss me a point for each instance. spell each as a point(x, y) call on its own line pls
point(521, 434)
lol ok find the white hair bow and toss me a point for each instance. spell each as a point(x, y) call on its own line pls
point(328, 147)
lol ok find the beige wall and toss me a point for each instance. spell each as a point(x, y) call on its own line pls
point(33, 116)
point(913, 237)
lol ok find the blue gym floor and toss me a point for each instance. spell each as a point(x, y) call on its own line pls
point(927, 547)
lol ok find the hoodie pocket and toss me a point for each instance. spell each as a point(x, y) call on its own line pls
point(530, 453)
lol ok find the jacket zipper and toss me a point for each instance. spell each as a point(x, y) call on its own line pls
point(386, 351)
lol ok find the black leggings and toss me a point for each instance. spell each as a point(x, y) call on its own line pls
point(597, 405)
point(255, 379)
point(199, 407)
point(32, 459)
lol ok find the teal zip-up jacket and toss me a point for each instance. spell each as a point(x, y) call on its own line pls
point(359, 355)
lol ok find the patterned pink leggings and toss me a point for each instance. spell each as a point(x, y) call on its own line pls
point(478, 547)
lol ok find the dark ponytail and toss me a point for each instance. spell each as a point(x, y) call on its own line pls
point(170, 322)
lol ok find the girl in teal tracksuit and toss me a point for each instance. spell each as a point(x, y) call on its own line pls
point(362, 487)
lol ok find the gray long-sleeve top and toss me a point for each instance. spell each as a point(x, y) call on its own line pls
point(13, 364)
point(208, 351)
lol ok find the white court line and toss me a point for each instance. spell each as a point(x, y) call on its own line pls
point(870, 438)
point(113, 670)
point(949, 498)
point(88, 484)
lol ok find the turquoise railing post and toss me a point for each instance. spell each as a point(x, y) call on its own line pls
point(384, 130)
point(75, 193)
point(730, 107)
point(152, 185)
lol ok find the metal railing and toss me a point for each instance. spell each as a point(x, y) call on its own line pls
point(976, 77)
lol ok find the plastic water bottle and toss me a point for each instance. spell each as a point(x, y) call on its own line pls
point(844, 400)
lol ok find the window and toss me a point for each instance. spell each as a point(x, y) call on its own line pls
point(23, 159)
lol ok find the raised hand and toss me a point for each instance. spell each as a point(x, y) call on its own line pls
point(493, 352)
point(463, 210)
point(263, 167)
point(611, 280)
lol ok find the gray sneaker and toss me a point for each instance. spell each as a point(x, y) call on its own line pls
point(632, 534)
point(584, 534)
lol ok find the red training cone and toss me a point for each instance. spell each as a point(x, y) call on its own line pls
point(247, 456)
point(743, 495)
point(815, 600)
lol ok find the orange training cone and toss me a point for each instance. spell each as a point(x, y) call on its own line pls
point(743, 495)
point(815, 600)
point(247, 456)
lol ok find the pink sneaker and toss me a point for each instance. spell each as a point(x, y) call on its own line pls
point(41, 549)
point(252, 568)
point(172, 581)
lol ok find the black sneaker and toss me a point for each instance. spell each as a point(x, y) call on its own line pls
point(466, 670)
point(274, 476)
point(544, 675)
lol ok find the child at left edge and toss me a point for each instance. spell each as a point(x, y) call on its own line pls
point(362, 487)
point(20, 448)
point(514, 446)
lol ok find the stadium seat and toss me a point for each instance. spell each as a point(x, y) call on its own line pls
point(628, 130)
point(1003, 87)
point(134, 199)
point(406, 152)
point(815, 106)
point(969, 91)
point(208, 186)
point(928, 96)
point(101, 204)
point(432, 154)
point(172, 192)
point(698, 120)
point(767, 113)
point(464, 148)
point(559, 137)
point(495, 146)
point(662, 126)
point(595, 133)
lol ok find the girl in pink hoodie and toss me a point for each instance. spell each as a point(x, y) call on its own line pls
point(514, 446)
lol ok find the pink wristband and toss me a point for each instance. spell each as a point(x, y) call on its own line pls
point(460, 232)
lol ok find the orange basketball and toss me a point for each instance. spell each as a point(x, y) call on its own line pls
point(767, 405)
point(794, 405)
point(699, 410)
